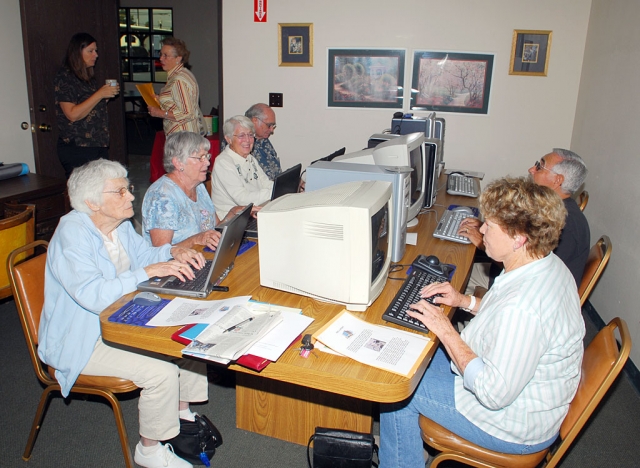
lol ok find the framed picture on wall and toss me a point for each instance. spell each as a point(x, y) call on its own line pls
point(295, 44)
point(451, 82)
point(530, 52)
point(366, 78)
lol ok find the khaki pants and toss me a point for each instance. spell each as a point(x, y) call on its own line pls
point(479, 277)
point(164, 384)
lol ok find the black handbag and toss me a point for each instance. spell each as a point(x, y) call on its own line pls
point(335, 448)
point(197, 441)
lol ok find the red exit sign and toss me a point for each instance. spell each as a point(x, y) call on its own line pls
point(259, 11)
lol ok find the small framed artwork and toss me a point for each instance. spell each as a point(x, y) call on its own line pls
point(366, 78)
point(295, 45)
point(451, 82)
point(530, 52)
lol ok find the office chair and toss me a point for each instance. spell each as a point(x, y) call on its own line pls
point(583, 199)
point(17, 228)
point(601, 364)
point(596, 261)
point(27, 283)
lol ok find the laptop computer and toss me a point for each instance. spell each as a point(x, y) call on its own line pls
point(284, 183)
point(214, 270)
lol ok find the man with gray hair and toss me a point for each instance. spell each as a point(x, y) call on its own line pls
point(564, 172)
point(264, 120)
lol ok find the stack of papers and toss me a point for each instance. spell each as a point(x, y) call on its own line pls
point(218, 316)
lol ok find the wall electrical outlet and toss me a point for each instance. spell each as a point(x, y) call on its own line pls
point(275, 99)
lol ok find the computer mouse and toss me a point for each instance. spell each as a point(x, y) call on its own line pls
point(463, 209)
point(146, 299)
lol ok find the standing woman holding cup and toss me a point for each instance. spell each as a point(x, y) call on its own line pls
point(81, 106)
point(179, 97)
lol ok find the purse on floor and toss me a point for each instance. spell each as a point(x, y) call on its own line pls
point(335, 448)
point(197, 441)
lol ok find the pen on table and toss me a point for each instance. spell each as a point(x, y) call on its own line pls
point(238, 325)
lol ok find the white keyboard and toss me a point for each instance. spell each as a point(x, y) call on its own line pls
point(448, 227)
point(458, 184)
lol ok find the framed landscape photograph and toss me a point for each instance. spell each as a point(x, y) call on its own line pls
point(295, 44)
point(530, 52)
point(451, 82)
point(366, 78)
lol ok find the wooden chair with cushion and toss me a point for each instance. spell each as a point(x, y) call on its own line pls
point(583, 199)
point(602, 363)
point(17, 228)
point(27, 283)
point(596, 261)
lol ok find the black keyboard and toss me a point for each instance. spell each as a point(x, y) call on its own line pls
point(197, 283)
point(409, 294)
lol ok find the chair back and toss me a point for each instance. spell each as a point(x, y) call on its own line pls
point(583, 199)
point(17, 228)
point(27, 284)
point(596, 261)
point(601, 364)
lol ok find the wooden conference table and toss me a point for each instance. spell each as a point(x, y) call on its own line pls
point(292, 396)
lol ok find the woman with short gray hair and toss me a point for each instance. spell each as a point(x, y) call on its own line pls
point(237, 177)
point(177, 208)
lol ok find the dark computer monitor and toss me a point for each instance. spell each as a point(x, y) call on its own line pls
point(339, 152)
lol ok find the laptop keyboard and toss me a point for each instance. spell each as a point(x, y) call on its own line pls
point(197, 283)
point(252, 225)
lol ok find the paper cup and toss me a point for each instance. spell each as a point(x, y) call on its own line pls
point(208, 119)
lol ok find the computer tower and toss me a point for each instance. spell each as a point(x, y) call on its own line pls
point(405, 126)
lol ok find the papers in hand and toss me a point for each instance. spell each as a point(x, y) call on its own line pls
point(233, 335)
point(148, 94)
point(386, 348)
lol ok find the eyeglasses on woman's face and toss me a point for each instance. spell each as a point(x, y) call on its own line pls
point(202, 157)
point(245, 136)
point(122, 190)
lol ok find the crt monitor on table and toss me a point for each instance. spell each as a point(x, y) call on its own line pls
point(332, 244)
point(405, 150)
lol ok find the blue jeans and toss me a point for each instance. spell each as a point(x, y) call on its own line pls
point(400, 440)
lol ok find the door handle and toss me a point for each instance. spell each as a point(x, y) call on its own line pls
point(44, 127)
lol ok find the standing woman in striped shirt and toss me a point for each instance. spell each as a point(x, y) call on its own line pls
point(179, 97)
point(504, 383)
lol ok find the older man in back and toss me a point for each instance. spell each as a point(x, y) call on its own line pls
point(564, 172)
point(264, 120)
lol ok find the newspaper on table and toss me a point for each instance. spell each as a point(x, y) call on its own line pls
point(232, 335)
point(383, 347)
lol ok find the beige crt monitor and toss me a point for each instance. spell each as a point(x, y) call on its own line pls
point(332, 244)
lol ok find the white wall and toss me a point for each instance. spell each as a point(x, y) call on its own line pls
point(196, 23)
point(607, 135)
point(16, 145)
point(527, 115)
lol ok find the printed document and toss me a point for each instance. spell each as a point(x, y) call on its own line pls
point(181, 311)
point(383, 347)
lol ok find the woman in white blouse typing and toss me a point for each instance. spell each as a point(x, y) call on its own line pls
point(237, 178)
point(504, 383)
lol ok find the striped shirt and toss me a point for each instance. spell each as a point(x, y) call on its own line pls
point(528, 333)
point(180, 96)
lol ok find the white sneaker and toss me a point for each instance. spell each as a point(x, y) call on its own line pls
point(163, 457)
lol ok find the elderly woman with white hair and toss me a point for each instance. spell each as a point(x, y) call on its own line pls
point(237, 177)
point(94, 258)
point(177, 208)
